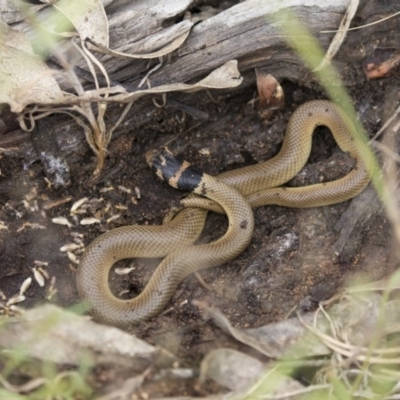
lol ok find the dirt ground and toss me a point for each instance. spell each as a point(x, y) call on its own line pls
point(292, 262)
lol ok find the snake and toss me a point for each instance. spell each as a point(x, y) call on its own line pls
point(235, 193)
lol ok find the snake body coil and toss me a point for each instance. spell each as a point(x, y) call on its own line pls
point(258, 184)
point(93, 283)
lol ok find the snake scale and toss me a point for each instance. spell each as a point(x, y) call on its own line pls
point(233, 192)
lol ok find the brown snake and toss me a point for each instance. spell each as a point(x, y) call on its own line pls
point(258, 184)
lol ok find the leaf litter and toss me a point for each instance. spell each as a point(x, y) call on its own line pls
point(31, 88)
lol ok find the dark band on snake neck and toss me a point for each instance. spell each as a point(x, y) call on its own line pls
point(176, 172)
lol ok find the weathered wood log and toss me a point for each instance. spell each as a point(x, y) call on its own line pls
point(248, 31)
point(251, 32)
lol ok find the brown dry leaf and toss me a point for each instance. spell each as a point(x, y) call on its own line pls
point(88, 17)
point(381, 63)
point(24, 78)
point(271, 95)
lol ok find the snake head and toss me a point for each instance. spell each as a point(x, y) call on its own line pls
point(163, 163)
point(177, 173)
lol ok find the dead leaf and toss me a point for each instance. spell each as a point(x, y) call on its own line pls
point(88, 17)
point(381, 63)
point(25, 79)
point(270, 93)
